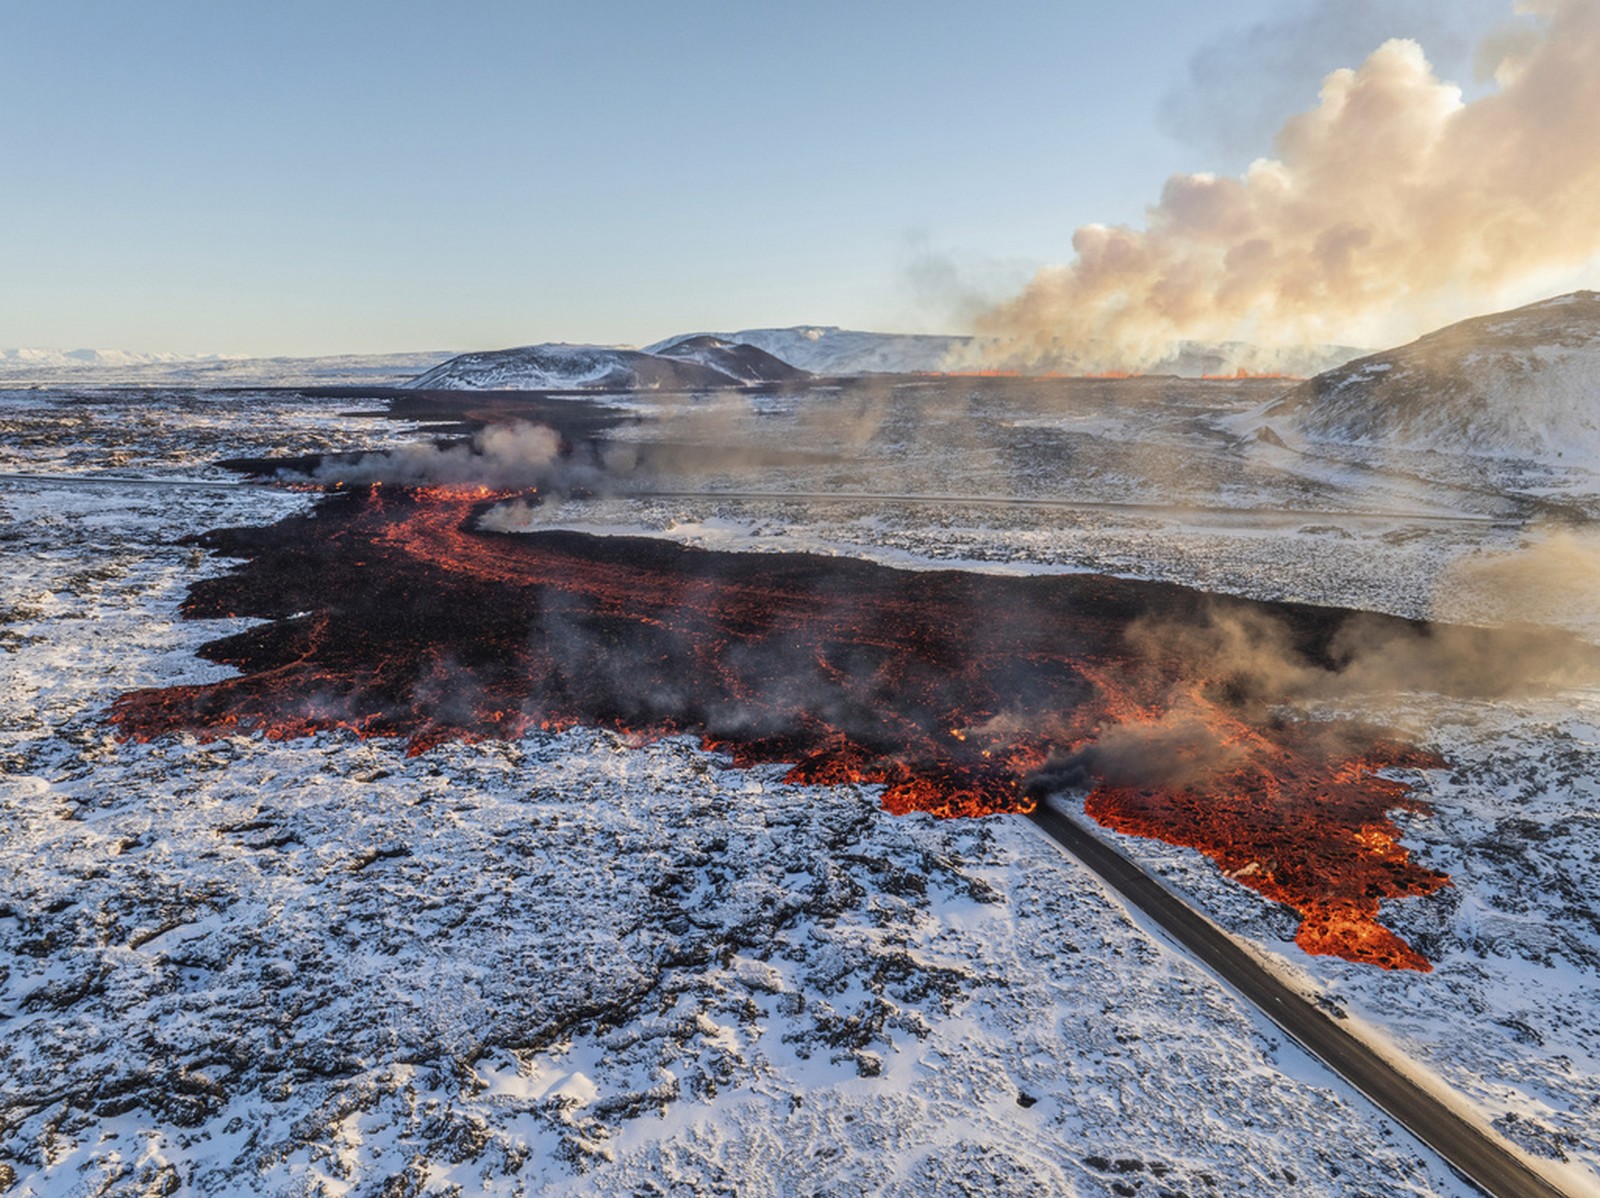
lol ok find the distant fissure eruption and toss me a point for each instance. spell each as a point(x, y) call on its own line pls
point(391, 612)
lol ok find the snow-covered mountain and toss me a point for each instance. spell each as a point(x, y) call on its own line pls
point(829, 350)
point(56, 359)
point(1517, 384)
point(690, 363)
point(742, 362)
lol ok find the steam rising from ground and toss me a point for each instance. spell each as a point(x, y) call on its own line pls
point(1553, 578)
point(520, 454)
point(1251, 657)
point(690, 444)
point(1243, 661)
point(1391, 207)
point(1176, 750)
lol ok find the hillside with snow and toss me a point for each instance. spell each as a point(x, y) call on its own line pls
point(686, 361)
point(741, 362)
point(86, 359)
point(689, 364)
point(830, 350)
point(1518, 384)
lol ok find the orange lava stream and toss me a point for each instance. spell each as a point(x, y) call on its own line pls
point(390, 614)
point(1332, 869)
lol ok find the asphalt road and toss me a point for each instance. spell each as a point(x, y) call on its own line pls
point(1479, 1157)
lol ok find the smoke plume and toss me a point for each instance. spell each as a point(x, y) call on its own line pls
point(519, 454)
point(1240, 663)
point(1391, 207)
point(1248, 657)
point(1175, 750)
point(1552, 578)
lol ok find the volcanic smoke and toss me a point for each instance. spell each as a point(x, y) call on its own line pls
point(1390, 208)
point(394, 611)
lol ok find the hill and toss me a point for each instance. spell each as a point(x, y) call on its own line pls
point(830, 350)
point(1522, 384)
point(690, 365)
point(741, 362)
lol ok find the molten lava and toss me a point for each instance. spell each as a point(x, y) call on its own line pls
point(1332, 867)
point(390, 614)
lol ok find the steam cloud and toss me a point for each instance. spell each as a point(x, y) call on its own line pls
point(1552, 578)
point(514, 456)
point(1251, 657)
point(1249, 663)
point(692, 444)
point(1388, 207)
point(1177, 750)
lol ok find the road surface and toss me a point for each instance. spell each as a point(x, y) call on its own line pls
point(1471, 1151)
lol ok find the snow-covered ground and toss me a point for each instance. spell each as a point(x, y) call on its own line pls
point(575, 965)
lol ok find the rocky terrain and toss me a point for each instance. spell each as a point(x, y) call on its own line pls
point(567, 964)
point(572, 963)
point(741, 362)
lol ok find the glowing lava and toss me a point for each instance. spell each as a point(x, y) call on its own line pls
point(1305, 825)
point(391, 615)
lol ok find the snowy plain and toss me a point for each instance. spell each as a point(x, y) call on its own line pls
point(573, 964)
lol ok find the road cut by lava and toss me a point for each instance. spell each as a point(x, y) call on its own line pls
point(390, 613)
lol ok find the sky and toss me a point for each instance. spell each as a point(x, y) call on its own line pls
point(389, 175)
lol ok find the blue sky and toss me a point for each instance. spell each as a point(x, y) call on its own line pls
point(369, 176)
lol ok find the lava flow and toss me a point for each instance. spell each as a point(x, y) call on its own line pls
point(391, 614)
